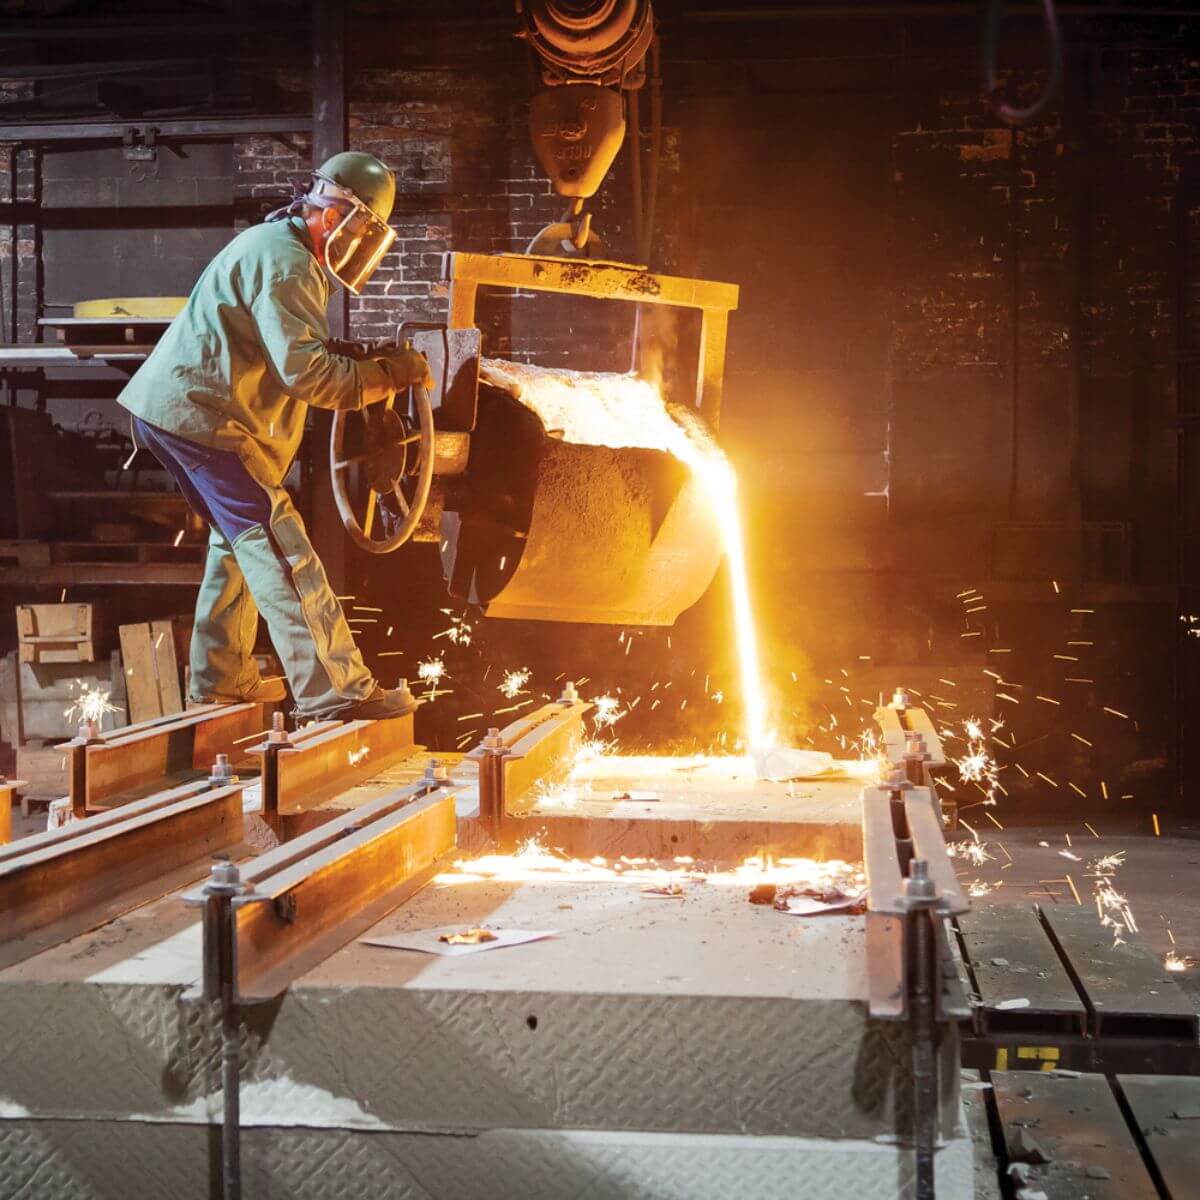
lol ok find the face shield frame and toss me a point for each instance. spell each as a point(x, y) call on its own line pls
point(355, 246)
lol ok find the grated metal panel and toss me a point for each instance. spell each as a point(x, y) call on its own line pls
point(96, 1160)
point(699, 1064)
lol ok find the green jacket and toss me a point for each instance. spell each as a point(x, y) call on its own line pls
point(241, 363)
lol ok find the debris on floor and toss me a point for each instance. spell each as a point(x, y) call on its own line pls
point(454, 943)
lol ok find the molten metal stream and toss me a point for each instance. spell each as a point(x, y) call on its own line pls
point(599, 409)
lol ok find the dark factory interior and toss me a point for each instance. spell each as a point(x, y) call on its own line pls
point(586, 481)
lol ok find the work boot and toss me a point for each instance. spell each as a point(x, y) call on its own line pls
point(383, 704)
point(262, 691)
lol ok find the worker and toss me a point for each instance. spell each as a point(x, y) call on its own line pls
point(221, 403)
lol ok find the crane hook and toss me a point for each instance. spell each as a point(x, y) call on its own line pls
point(1008, 113)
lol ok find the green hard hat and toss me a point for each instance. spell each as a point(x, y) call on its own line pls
point(365, 176)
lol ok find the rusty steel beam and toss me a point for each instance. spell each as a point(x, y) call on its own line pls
point(56, 885)
point(108, 768)
point(302, 770)
point(886, 966)
point(466, 273)
point(315, 894)
point(578, 277)
point(521, 760)
point(901, 823)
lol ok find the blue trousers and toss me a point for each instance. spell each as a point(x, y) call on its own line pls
point(259, 560)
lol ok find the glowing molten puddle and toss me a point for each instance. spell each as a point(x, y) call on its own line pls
point(535, 863)
point(618, 411)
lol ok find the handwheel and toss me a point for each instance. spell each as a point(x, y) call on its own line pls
point(396, 459)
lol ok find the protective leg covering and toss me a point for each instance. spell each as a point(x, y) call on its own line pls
point(304, 617)
point(222, 652)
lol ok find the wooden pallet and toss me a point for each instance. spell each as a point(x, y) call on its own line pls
point(59, 633)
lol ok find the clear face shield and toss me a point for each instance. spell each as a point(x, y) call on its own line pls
point(358, 242)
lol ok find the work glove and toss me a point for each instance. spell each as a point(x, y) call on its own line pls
point(404, 367)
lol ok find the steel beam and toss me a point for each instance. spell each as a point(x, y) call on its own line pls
point(56, 885)
point(575, 277)
point(521, 760)
point(887, 974)
point(310, 897)
point(155, 753)
point(328, 758)
point(168, 127)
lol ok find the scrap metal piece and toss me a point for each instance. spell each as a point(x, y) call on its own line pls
point(58, 884)
point(468, 937)
point(310, 897)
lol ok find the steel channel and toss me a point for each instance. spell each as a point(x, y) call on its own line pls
point(332, 758)
point(321, 890)
point(925, 828)
point(603, 281)
point(887, 965)
point(56, 884)
point(137, 756)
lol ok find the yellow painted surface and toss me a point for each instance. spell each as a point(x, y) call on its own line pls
point(165, 307)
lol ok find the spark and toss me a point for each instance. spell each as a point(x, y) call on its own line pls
point(513, 683)
point(354, 757)
point(1175, 961)
point(974, 852)
point(90, 705)
point(178, 538)
point(458, 631)
point(608, 711)
point(1117, 713)
point(432, 671)
point(977, 765)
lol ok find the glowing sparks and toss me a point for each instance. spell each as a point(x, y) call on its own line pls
point(1175, 961)
point(978, 766)
point(459, 630)
point(608, 712)
point(974, 852)
point(534, 862)
point(513, 683)
point(431, 672)
point(354, 757)
point(90, 705)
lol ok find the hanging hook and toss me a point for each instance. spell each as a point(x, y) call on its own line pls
point(1009, 114)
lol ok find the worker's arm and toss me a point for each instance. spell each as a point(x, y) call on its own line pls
point(294, 331)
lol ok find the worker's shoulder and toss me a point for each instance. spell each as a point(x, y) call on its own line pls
point(269, 253)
